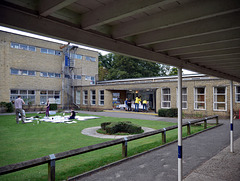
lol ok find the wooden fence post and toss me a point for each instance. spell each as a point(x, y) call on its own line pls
point(164, 136)
point(189, 128)
point(51, 168)
point(216, 120)
point(205, 123)
point(124, 147)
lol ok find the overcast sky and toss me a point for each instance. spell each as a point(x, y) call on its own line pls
point(2, 28)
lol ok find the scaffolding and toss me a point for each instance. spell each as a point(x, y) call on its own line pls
point(68, 67)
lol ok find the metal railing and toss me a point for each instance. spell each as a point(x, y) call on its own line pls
point(50, 159)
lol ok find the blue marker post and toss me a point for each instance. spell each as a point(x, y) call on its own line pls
point(180, 124)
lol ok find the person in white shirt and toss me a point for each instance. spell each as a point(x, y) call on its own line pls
point(18, 108)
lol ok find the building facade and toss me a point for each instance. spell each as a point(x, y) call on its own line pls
point(201, 95)
point(37, 69)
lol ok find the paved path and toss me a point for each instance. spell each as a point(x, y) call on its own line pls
point(161, 164)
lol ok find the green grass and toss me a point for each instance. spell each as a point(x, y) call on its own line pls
point(22, 142)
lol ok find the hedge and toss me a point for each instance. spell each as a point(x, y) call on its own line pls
point(53, 107)
point(124, 126)
point(173, 112)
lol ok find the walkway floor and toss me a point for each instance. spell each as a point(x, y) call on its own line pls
point(205, 157)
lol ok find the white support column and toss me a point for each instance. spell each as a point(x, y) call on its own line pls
point(231, 116)
point(180, 124)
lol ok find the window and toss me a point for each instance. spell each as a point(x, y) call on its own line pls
point(58, 53)
point(199, 98)
point(31, 73)
point(23, 46)
point(88, 58)
point(22, 72)
point(50, 51)
point(87, 77)
point(237, 93)
point(76, 56)
point(50, 74)
point(78, 77)
point(219, 99)
point(78, 97)
point(14, 71)
point(27, 95)
point(92, 80)
point(93, 97)
point(184, 98)
point(101, 97)
point(46, 94)
point(57, 75)
point(85, 97)
point(166, 98)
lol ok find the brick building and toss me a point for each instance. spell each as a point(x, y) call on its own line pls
point(36, 69)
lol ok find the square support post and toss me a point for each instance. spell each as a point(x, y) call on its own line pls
point(231, 116)
point(205, 123)
point(124, 147)
point(51, 168)
point(189, 128)
point(164, 136)
point(180, 172)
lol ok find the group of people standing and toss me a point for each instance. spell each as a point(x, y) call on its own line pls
point(19, 102)
point(128, 104)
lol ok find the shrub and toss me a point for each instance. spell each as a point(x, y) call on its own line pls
point(124, 126)
point(53, 107)
point(173, 112)
point(103, 125)
point(9, 107)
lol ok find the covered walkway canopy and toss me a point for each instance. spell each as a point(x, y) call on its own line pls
point(202, 36)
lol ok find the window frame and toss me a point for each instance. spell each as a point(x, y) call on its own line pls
point(51, 94)
point(26, 96)
point(197, 102)
point(220, 94)
point(93, 100)
point(85, 94)
point(99, 98)
point(162, 100)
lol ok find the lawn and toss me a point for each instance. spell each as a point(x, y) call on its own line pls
point(22, 142)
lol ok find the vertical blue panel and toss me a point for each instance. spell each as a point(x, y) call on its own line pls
point(179, 151)
point(231, 126)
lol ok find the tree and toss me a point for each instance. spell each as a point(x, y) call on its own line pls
point(115, 66)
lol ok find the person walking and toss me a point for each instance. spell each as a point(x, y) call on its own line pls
point(18, 108)
point(137, 100)
point(126, 105)
point(144, 105)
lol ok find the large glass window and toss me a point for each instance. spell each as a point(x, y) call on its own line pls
point(219, 99)
point(92, 80)
point(93, 97)
point(199, 98)
point(85, 97)
point(184, 98)
point(101, 97)
point(78, 97)
point(46, 94)
point(166, 98)
point(27, 95)
point(237, 93)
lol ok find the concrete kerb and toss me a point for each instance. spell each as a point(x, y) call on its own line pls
point(93, 132)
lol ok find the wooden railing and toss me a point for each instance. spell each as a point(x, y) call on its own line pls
point(50, 159)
